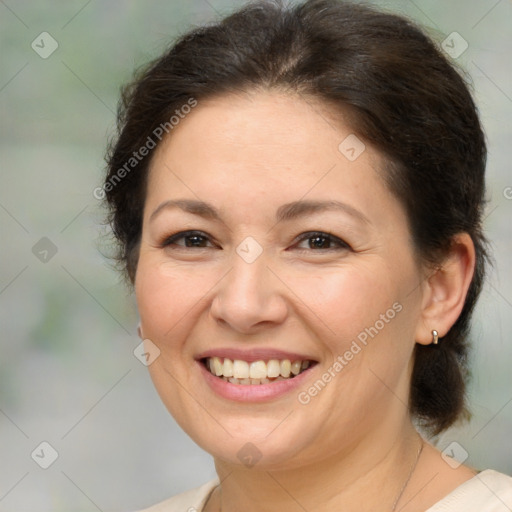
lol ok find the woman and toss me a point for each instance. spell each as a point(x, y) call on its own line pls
point(297, 194)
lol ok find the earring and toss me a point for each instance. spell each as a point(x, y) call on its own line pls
point(435, 337)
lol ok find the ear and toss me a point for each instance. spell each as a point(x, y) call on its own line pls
point(445, 290)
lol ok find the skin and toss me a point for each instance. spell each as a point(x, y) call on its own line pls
point(352, 446)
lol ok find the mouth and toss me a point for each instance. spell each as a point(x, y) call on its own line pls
point(255, 373)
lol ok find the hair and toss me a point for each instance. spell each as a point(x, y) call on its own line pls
point(405, 99)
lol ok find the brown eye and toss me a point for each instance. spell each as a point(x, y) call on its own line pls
point(192, 239)
point(318, 240)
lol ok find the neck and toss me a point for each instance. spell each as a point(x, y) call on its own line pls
point(369, 476)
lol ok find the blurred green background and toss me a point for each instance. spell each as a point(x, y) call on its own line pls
point(68, 375)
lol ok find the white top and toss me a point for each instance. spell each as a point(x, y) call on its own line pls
point(488, 491)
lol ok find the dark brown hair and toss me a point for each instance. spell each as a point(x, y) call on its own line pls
point(407, 101)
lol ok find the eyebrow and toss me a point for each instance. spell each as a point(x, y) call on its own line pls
point(285, 212)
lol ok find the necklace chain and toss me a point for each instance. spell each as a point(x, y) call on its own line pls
point(409, 476)
point(402, 490)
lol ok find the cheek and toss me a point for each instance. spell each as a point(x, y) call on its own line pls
point(167, 297)
point(347, 300)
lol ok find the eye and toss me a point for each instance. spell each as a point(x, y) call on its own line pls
point(318, 240)
point(192, 239)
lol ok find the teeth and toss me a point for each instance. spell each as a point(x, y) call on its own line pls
point(240, 369)
point(273, 368)
point(286, 368)
point(216, 366)
point(295, 368)
point(227, 369)
point(245, 382)
point(256, 372)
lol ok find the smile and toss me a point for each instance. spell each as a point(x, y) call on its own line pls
point(237, 371)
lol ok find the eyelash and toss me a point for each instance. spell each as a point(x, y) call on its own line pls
point(170, 240)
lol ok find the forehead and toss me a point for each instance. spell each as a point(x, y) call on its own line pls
point(266, 147)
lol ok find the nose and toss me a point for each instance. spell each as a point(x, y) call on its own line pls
point(249, 298)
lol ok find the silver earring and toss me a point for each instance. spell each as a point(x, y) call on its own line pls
point(435, 337)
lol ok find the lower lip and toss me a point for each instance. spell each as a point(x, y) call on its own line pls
point(250, 392)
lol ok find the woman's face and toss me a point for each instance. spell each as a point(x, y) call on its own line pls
point(269, 275)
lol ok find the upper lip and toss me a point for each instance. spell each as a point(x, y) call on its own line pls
point(257, 354)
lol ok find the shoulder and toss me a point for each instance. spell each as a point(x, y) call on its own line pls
point(192, 500)
point(487, 491)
